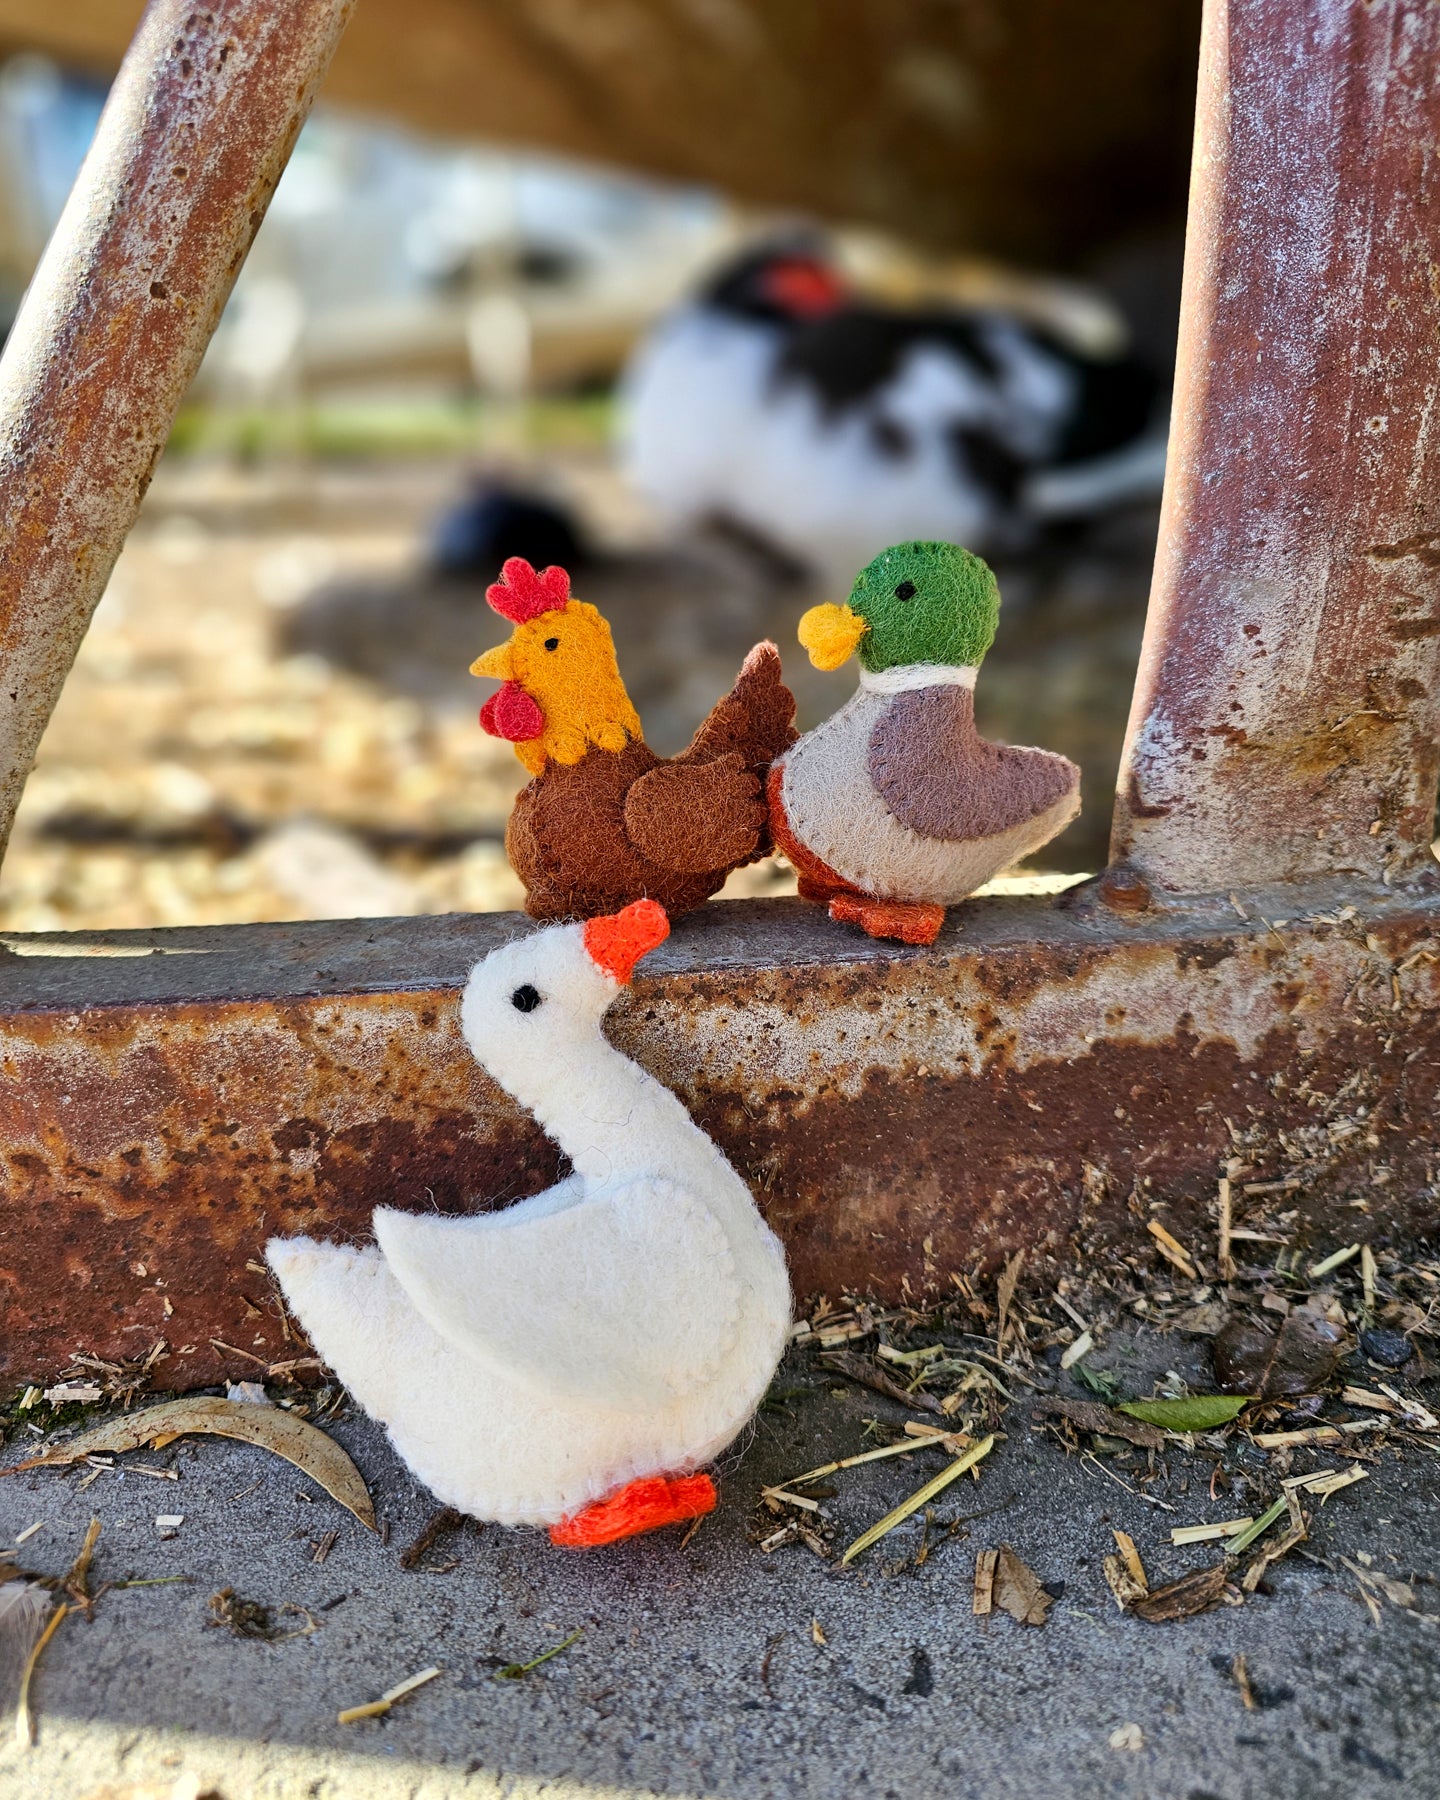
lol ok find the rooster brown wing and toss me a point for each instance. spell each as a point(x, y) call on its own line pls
point(696, 815)
point(755, 721)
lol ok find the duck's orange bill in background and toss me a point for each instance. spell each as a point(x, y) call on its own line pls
point(617, 941)
point(643, 1505)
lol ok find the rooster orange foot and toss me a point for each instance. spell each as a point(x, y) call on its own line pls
point(643, 1505)
point(912, 921)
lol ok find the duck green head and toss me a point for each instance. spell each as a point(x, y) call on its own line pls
point(916, 603)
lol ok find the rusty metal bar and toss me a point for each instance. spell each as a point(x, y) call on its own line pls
point(197, 130)
point(1286, 720)
point(1036, 1081)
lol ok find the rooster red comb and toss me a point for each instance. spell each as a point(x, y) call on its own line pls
point(521, 593)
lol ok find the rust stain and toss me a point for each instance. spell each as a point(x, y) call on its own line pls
point(874, 1101)
point(1304, 454)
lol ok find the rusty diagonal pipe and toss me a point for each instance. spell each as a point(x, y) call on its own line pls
point(194, 137)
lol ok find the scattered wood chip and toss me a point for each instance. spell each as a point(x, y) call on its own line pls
point(1127, 1737)
point(937, 1484)
point(446, 1519)
point(982, 1600)
point(1328, 1481)
point(1241, 1675)
point(1017, 1589)
point(1183, 1599)
point(1126, 1546)
point(1090, 1415)
point(1005, 1296)
point(1272, 1554)
point(374, 1708)
point(1224, 1260)
point(867, 1374)
point(74, 1393)
point(1316, 1434)
point(817, 1634)
point(1207, 1534)
point(269, 1427)
point(1082, 1346)
point(1123, 1583)
point(23, 1537)
point(1172, 1250)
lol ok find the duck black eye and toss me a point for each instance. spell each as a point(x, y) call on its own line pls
point(905, 591)
point(525, 999)
point(552, 643)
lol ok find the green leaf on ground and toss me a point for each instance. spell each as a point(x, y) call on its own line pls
point(1196, 1412)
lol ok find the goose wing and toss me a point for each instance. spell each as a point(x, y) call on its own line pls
point(623, 1299)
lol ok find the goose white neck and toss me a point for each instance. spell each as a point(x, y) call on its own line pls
point(905, 676)
point(611, 1118)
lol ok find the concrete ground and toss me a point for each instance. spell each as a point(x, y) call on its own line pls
point(701, 1669)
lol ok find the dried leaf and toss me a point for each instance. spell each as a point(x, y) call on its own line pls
point(1298, 1358)
point(1018, 1591)
point(868, 1374)
point(269, 1427)
point(1089, 1415)
point(1182, 1599)
point(1197, 1412)
point(24, 1607)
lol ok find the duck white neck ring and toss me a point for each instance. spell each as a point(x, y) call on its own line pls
point(905, 676)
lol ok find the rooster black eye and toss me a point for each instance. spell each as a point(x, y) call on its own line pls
point(525, 999)
point(552, 643)
point(905, 591)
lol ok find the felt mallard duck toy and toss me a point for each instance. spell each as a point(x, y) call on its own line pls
point(896, 807)
point(604, 820)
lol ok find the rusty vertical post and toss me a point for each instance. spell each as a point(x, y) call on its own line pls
point(197, 130)
point(1286, 718)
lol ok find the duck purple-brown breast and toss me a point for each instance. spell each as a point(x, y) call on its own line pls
point(937, 774)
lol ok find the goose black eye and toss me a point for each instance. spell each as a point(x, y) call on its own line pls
point(905, 591)
point(552, 643)
point(525, 999)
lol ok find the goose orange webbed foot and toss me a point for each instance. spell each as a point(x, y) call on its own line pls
point(911, 921)
point(644, 1505)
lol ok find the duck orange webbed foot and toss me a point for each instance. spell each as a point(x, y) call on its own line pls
point(911, 921)
point(643, 1505)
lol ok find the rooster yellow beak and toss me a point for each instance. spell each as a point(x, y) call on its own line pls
point(496, 664)
point(830, 634)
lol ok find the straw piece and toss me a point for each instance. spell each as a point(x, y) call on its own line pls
point(919, 1498)
point(373, 1708)
point(1326, 1264)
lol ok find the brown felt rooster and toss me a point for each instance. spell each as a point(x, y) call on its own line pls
point(604, 820)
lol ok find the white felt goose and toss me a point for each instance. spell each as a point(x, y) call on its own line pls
point(571, 1360)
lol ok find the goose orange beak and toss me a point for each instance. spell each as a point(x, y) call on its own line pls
point(617, 941)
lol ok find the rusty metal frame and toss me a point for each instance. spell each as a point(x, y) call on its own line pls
point(1253, 985)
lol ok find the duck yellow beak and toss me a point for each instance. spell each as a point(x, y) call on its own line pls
point(831, 633)
point(495, 664)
